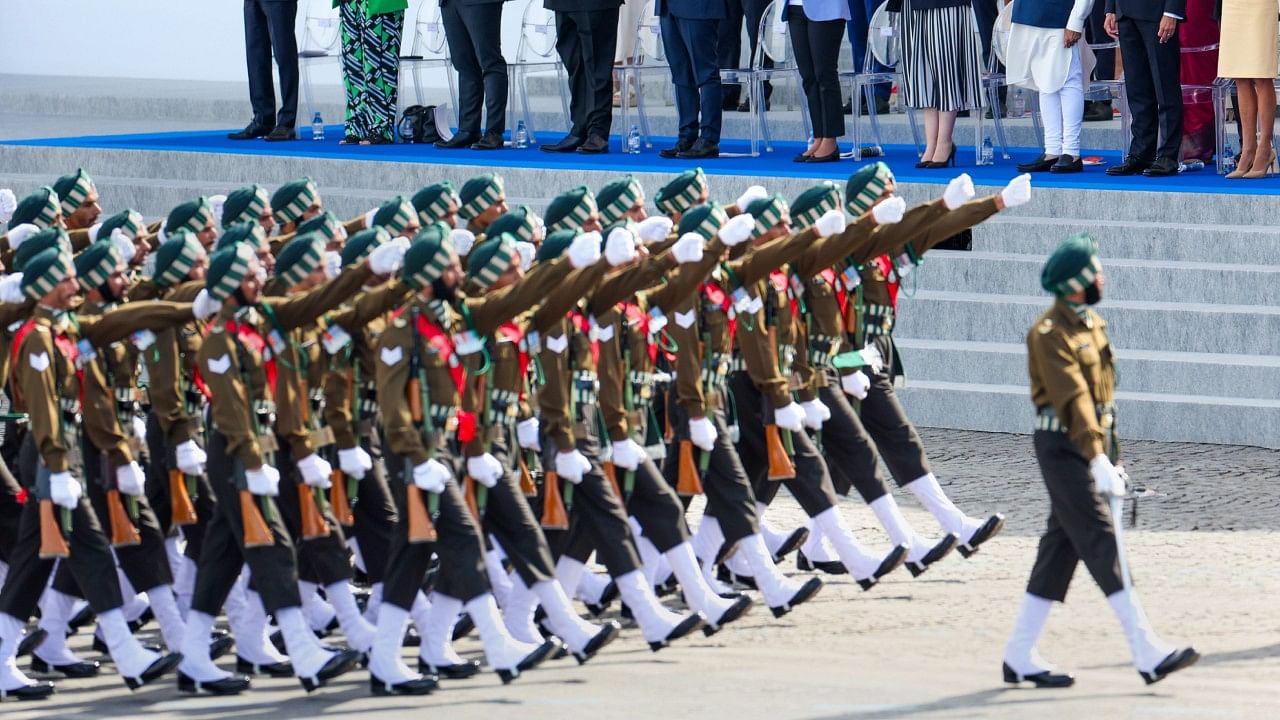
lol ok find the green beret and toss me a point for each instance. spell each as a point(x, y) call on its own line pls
point(95, 264)
point(246, 203)
point(814, 203)
point(175, 258)
point(570, 210)
point(362, 243)
point(245, 232)
point(682, 193)
point(49, 238)
point(433, 202)
point(293, 199)
point(488, 260)
point(521, 223)
point(72, 190)
point(705, 220)
point(1073, 266)
point(194, 215)
point(41, 208)
point(866, 186)
point(326, 224)
point(427, 257)
point(299, 258)
point(479, 194)
point(394, 215)
point(227, 269)
point(129, 222)
point(44, 271)
point(556, 244)
point(767, 211)
point(618, 197)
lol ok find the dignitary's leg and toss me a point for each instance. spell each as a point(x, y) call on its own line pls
point(355, 82)
point(382, 72)
point(685, 80)
point(262, 91)
point(284, 49)
point(569, 45)
point(462, 52)
point(484, 28)
point(599, 42)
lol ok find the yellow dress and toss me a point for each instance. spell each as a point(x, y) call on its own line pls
point(1250, 51)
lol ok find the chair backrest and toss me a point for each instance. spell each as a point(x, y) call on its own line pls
point(649, 36)
point(772, 44)
point(428, 32)
point(1000, 37)
point(884, 39)
point(537, 34)
point(321, 29)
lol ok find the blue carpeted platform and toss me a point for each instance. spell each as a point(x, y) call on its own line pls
point(775, 164)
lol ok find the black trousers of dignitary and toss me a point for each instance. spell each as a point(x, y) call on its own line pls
point(473, 29)
point(268, 33)
point(817, 51)
point(586, 41)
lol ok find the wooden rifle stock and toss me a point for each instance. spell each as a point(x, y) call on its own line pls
point(183, 510)
point(527, 487)
point(611, 474)
point(421, 530)
point(469, 495)
point(415, 400)
point(338, 498)
point(688, 482)
point(256, 531)
point(554, 515)
point(780, 465)
point(52, 544)
point(123, 533)
point(313, 523)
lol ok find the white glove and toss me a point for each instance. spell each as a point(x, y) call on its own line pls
point(815, 413)
point(124, 245)
point(654, 229)
point(527, 253)
point(431, 476)
point(1017, 192)
point(11, 289)
point(332, 264)
point(527, 434)
point(19, 235)
point(738, 230)
point(64, 490)
point(205, 305)
point(856, 384)
point(485, 469)
point(463, 240)
point(191, 458)
point(388, 257)
point(216, 204)
point(702, 432)
point(354, 462)
point(572, 466)
point(315, 471)
point(139, 428)
point(263, 481)
point(620, 248)
point(789, 417)
point(890, 211)
point(368, 217)
point(1107, 478)
point(688, 249)
point(831, 222)
point(584, 251)
point(875, 361)
point(750, 195)
point(627, 454)
point(959, 191)
point(8, 203)
point(130, 480)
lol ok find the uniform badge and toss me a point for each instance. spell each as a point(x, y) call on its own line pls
point(392, 355)
point(220, 365)
point(685, 319)
point(39, 362)
point(1046, 326)
point(558, 344)
point(604, 333)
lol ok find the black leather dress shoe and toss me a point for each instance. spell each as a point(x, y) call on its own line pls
point(791, 544)
point(607, 596)
point(1130, 166)
point(490, 141)
point(1040, 164)
point(594, 145)
point(686, 626)
point(568, 144)
point(417, 686)
point(99, 645)
point(1162, 167)
point(281, 134)
point(1177, 660)
point(701, 150)
point(890, 563)
point(461, 671)
point(459, 141)
point(608, 633)
point(166, 664)
point(411, 638)
point(220, 646)
point(141, 621)
point(936, 553)
point(84, 617)
point(830, 567)
point(463, 627)
point(1044, 679)
point(275, 670)
point(734, 611)
point(681, 145)
point(989, 529)
point(233, 685)
point(1068, 164)
point(75, 670)
point(725, 575)
point(833, 156)
point(341, 662)
point(31, 641)
point(251, 131)
point(34, 691)
point(806, 591)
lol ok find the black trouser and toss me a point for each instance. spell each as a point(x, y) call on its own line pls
point(817, 50)
point(508, 517)
point(655, 505)
point(10, 510)
point(691, 52)
point(147, 563)
point(268, 32)
point(273, 567)
point(730, 499)
point(373, 512)
point(474, 34)
point(1079, 525)
point(90, 560)
point(850, 451)
point(587, 41)
point(160, 461)
point(1153, 88)
point(882, 415)
point(729, 43)
point(1104, 67)
point(323, 560)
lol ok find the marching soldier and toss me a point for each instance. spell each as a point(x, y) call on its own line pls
point(438, 203)
point(79, 199)
point(481, 201)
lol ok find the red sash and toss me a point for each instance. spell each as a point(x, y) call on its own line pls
point(781, 284)
point(438, 339)
point(718, 297)
point(828, 276)
point(885, 264)
point(635, 316)
point(251, 339)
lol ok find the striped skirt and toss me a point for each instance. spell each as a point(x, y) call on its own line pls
point(941, 59)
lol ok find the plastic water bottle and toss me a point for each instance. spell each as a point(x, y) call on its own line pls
point(633, 140)
point(520, 139)
point(317, 127)
point(1019, 103)
point(988, 152)
point(1191, 166)
point(1228, 157)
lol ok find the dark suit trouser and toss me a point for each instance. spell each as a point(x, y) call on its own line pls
point(691, 52)
point(817, 50)
point(1153, 86)
point(1104, 67)
point(882, 415)
point(860, 12)
point(850, 452)
point(374, 514)
point(268, 31)
point(474, 34)
point(729, 42)
point(587, 40)
point(322, 560)
point(730, 499)
point(145, 564)
point(1079, 523)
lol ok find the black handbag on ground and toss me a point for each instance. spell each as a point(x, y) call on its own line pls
point(418, 125)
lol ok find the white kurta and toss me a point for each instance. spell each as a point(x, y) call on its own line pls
point(1036, 58)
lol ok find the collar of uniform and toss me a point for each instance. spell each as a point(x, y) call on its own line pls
point(52, 317)
point(1068, 315)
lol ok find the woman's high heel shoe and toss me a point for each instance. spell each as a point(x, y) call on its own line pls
point(1243, 165)
point(949, 162)
point(1264, 172)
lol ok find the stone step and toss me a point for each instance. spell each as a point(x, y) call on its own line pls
point(1145, 371)
point(1161, 326)
point(1141, 416)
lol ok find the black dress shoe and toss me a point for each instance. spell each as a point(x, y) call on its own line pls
point(75, 670)
point(594, 145)
point(1068, 164)
point(1098, 111)
point(681, 145)
point(31, 641)
point(220, 646)
point(568, 144)
point(233, 685)
point(1177, 660)
point(830, 567)
point(1044, 679)
point(275, 670)
point(701, 150)
point(1162, 167)
point(281, 134)
point(34, 691)
point(100, 646)
point(686, 626)
point(530, 661)
point(166, 664)
point(463, 627)
point(251, 131)
point(801, 158)
point(989, 529)
point(490, 141)
point(833, 156)
point(607, 596)
point(1130, 166)
point(608, 633)
point(80, 619)
point(806, 591)
point(141, 621)
point(1040, 164)
point(417, 686)
point(342, 661)
point(459, 141)
point(734, 611)
point(936, 553)
point(791, 544)
point(890, 563)
point(461, 671)
point(725, 575)
point(411, 638)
